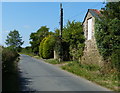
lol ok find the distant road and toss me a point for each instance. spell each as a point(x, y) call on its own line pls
point(36, 75)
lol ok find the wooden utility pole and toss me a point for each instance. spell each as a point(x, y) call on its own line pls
point(61, 19)
point(60, 34)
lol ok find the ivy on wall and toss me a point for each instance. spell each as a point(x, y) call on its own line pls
point(107, 34)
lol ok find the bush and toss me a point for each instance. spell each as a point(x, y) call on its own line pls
point(10, 81)
point(73, 35)
point(108, 40)
point(8, 57)
point(27, 50)
point(0, 53)
point(41, 47)
point(115, 59)
point(47, 47)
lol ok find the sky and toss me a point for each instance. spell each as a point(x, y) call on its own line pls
point(28, 17)
point(0, 23)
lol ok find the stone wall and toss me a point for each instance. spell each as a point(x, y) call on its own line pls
point(91, 54)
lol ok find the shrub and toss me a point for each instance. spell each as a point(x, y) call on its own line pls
point(115, 59)
point(10, 80)
point(46, 47)
point(108, 40)
point(73, 35)
point(8, 57)
point(41, 48)
point(27, 50)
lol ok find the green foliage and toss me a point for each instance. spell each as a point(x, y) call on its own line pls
point(58, 47)
point(91, 72)
point(73, 33)
point(37, 37)
point(72, 43)
point(27, 50)
point(14, 40)
point(107, 33)
point(57, 32)
point(9, 70)
point(52, 61)
point(112, 10)
point(46, 47)
point(115, 59)
point(74, 36)
point(65, 52)
point(41, 47)
point(8, 57)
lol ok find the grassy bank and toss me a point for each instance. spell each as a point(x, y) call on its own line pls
point(52, 61)
point(92, 73)
point(29, 54)
point(55, 61)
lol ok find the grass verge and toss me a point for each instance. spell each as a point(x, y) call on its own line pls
point(55, 61)
point(92, 73)
point(52, 61)
point(29, 54)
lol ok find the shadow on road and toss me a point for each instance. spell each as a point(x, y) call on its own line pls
point(24, 83)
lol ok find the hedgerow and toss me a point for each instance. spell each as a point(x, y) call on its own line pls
point(10, 80)
point(8, 57)
point(41, 47)
point(73, 35)
point(46, 47)
point(107, 35)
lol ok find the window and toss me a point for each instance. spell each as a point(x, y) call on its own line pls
point(89, 29)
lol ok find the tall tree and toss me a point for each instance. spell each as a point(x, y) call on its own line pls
point(74, 36)
point(14, 40)
point(112, 10)
point(37, 37)
point(108, 33)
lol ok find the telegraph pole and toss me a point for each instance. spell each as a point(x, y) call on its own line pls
point(60, 34)
point(61, 19)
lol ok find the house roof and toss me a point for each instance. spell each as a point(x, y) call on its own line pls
point(94, 12)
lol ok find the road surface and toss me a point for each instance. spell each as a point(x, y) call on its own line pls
point(36, 75)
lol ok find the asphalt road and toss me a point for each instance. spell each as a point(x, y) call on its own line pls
point(36, 75)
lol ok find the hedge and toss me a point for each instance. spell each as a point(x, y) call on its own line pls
point(47, 47)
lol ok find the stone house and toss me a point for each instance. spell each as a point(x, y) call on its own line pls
point(91, 54)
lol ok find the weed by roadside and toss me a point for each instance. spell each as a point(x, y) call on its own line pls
point(29, 54)
point(92, 73)
point(55, 61)
point(52, 61)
